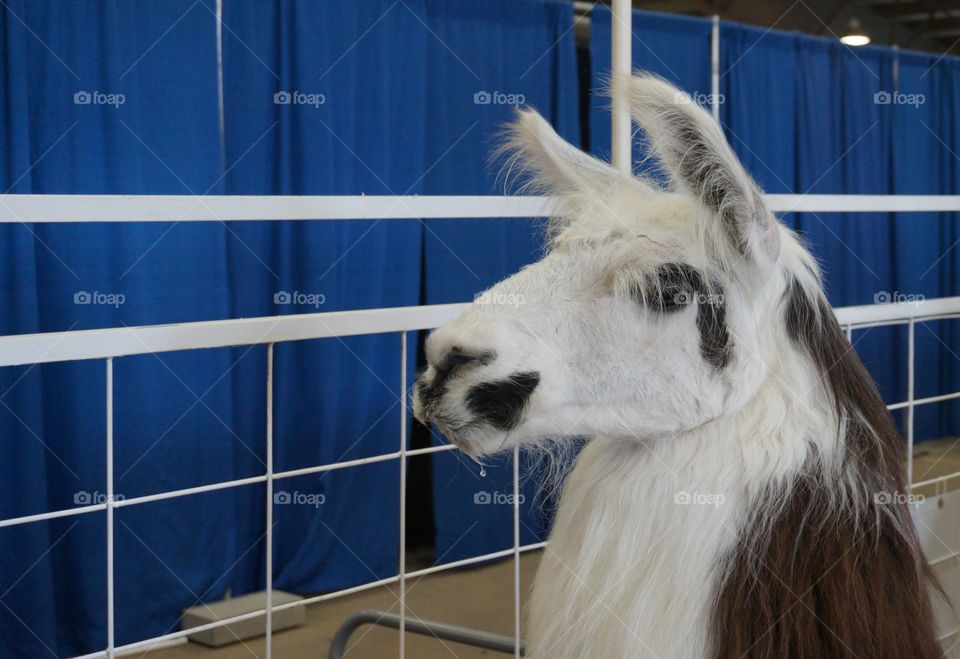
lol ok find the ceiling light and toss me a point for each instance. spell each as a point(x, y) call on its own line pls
point(855, 35)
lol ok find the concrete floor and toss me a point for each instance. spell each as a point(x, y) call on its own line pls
point(933, 459)
point(479, 597)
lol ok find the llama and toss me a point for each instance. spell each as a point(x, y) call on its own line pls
point(738, 493)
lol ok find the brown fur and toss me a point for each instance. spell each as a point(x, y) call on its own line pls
point(814, 577)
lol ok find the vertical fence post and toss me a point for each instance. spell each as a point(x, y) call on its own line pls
point(516, 551)
point(620, 66)
point(911, 382)
point(269, 551)
point(402, 568)
point(109, 487)
point(715, 68)
point(895, 69)
point(220, 116)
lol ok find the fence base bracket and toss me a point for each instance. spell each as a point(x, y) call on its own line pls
point(441, 630)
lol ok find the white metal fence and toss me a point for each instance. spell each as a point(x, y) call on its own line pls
point(117, 343)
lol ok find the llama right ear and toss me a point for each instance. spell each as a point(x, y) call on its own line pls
point(692, 148)
point(548, 162)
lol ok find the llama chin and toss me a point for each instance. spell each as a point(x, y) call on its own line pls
point(734, 495)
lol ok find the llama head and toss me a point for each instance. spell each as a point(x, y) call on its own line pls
point(653, 311)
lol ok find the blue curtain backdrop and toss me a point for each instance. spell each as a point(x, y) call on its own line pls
point(347, 98)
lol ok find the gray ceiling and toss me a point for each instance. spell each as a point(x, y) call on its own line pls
point(932, 25)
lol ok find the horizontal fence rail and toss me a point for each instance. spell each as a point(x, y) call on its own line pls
point(19, 350)
point(54, 208)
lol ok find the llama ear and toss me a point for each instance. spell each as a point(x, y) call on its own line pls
point(692, 148)
point(548, 162)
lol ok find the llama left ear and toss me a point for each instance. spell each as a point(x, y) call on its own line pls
point(692, 148)
point(552, 164)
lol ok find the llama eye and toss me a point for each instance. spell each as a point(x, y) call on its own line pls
point(673, 287)
point(672, 298)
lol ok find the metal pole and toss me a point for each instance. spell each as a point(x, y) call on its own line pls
point(111, 641)
point(269, 556)
point(516, 552)
point(620, 67)
point(715, 68)
point(402, 568)
point(911, 394)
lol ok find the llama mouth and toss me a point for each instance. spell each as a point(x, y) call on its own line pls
point(458, 435)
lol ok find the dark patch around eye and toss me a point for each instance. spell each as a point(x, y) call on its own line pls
point(501, 403)
point(714, 336)
point(674, 287)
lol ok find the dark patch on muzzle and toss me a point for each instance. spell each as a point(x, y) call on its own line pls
point(501, 403)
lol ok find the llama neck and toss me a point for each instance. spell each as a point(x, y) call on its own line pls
point(636, 549)
point(643, 531)
point(755, 535)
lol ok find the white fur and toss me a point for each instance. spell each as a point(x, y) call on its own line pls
point(630, 569)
